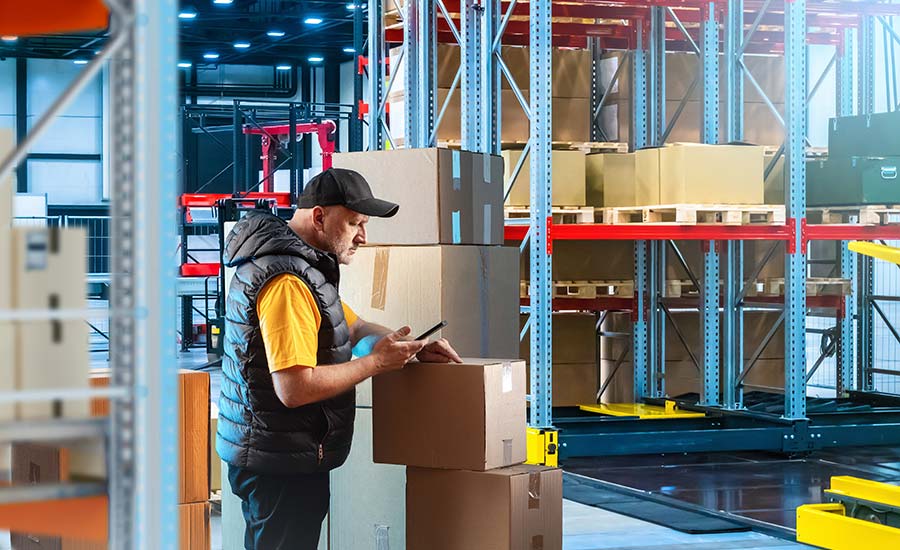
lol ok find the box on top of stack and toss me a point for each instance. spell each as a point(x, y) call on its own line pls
point(445, 196)
point(7, 368)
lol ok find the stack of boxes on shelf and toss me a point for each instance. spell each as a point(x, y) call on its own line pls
point(441, 257)
point(460, 429)
point(571, 95)
point(861, 168)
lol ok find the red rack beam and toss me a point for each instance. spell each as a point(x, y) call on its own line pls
point(200, 270)
point(846, 232)
point(283, 200)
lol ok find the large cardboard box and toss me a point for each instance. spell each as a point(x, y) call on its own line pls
point(7, 364)
point(628, 179)
point(594, 166)
point(517, 508)
point(474, 288)
point(567, 176)
point(445, 197)
point(49, 272)
point(368, 504)
point(576, 374)
point(193, 431)
point(468, 416)
point(692, 173)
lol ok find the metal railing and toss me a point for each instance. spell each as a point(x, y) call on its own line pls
point(97, 228)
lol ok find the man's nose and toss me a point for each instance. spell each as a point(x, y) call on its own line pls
point(360, 235)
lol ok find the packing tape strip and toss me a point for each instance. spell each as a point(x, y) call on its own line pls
point(455, 224)
point(486, 163)
point(456, 169)
point(537, 542)
point(534, 490)
point(36, 250)
point(379, 278)
point(507, 452)
point(507, 382)
point(484, 301)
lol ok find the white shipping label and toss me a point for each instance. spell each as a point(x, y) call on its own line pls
point(507, 384)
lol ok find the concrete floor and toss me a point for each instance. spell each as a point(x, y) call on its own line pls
point(588, 528)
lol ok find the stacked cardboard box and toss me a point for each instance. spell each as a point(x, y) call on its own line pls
point(464, 444)
point(568, 176)
point(571, 95)
point(441, 257)
point(39, 463)
point(7, 366)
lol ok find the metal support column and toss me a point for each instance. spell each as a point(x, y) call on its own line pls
point(656, 118)
point(710, 61)
point(866, 66)
point(733, 330)
point(845, 354)
point(865, 325)
point(421, 78)
point(710, 317)
point(491, 77)
point(540, 243)
point(639, 319)
point(471, 66)
point(795, 200)
point(639, 125)
point(356, 123)
point(376, 75)
point(734, 71)
point(844, 73)
point(656, 375)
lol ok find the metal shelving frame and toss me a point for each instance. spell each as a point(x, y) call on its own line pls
point(647, 28)
point(141, 431)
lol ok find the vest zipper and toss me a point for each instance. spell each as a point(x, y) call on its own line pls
point(321, 453)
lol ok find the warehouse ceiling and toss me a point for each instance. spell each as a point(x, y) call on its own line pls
point(239, 32)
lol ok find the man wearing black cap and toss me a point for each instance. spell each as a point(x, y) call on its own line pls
point(287, 403)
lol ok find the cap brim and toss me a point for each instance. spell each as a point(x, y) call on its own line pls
point(374, 207)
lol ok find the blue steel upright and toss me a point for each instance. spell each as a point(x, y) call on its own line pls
point(376, 75)
point(795, 201)
point(540, 243)
point(734, 74)
point(639, 126)
point(472, 85)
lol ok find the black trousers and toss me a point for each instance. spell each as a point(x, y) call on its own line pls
point(281, 511)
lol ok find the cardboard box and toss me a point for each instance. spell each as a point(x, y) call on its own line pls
point(50, 354)
point(445, 197)
point(215, 463)
point(568, 178)
point(518, 508)
point(593, 177)
point(368, 500)
point(193, 429)
point(475, 288)
point(576, 375)
point(7, 366)
point(193, 523)
point(693, 173)
point(415, 424)
point(624, 179)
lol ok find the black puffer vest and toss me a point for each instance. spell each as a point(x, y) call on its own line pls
point(255, 430)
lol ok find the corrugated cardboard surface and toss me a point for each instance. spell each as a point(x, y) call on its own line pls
point(475, 288)
point(50, 354)
point(647, 177)
point(593, 175)
point(517, 508)
point(368, 501)
point(618, 179)
point(7, 366)
point(415, 424)
point(695, 173)
point(444, 195)
point(193, 522)
point(568, 177)
point(575, 371)
point(194, 431)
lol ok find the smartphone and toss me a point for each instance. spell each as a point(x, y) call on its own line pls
point(432, 330)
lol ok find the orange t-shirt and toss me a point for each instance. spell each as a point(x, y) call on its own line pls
point(289, 320)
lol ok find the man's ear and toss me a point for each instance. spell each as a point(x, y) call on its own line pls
point(318, 218)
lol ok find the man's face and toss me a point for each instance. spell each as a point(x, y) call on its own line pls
point(343, 231)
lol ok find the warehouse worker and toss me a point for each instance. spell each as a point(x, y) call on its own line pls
point(288, 395)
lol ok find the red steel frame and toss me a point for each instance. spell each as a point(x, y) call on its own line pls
point(325, 131)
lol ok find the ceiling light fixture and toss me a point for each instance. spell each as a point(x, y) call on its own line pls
point(9, 38)
point(241, 45)
point(313, 20)
point(211, 55)
point(275, 34)
point(223, 2)
point(315, 59)
point(350, 49)
point(351, 7)
point(187, 14)
point(283, 67)
point(184, 64)
point(80, 61)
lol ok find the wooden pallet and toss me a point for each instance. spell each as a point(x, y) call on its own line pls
point(815, 286)
point(589, 290)
point(863, 215)
point(691, 214)
point(561, 214)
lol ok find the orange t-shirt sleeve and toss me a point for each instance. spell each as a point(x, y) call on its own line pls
point(349, 314)
point(289, 321)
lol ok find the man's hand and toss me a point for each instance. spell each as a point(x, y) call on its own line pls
point(393, 352)
point(439, 351)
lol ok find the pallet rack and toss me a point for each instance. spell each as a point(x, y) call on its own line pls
point(138, 500)
point(646, 31)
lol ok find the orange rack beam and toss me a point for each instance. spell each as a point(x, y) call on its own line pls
point(36, 17)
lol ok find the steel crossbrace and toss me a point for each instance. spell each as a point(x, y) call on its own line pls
point(761, 348)
point(680, 336)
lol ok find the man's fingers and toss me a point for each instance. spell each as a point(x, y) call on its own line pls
point(443, 347)
point(400, 333)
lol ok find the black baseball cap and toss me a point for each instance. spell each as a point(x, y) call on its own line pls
point(339, 186)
